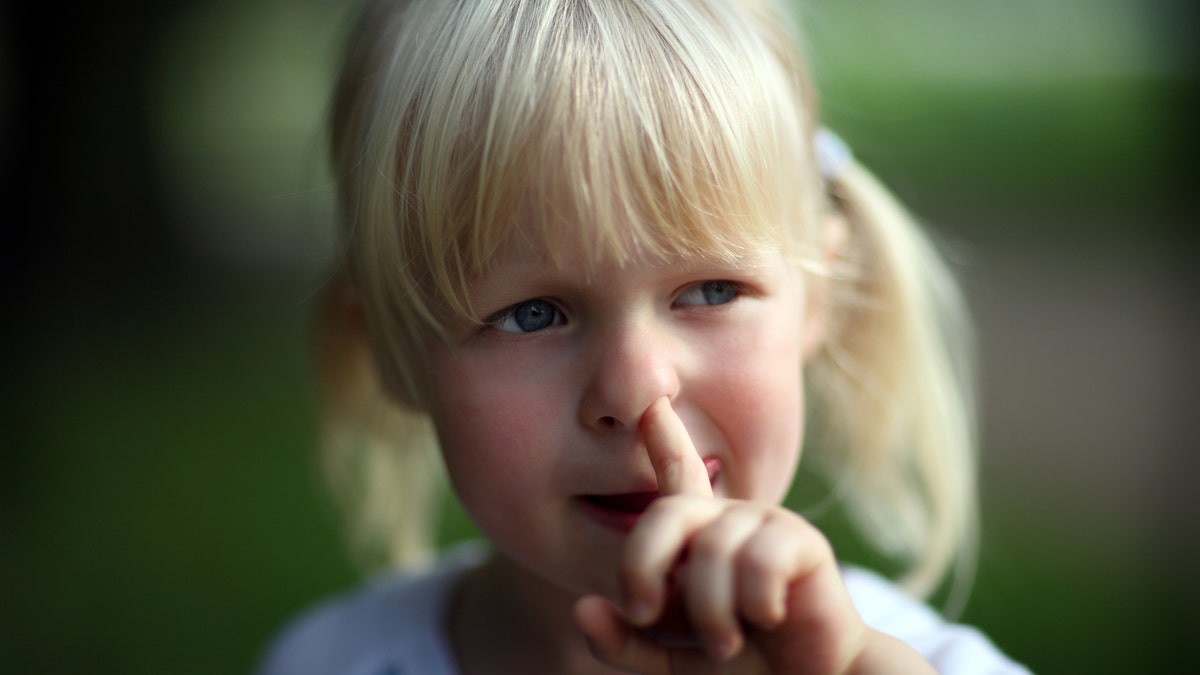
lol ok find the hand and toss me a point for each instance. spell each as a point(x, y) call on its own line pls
point(758, 586)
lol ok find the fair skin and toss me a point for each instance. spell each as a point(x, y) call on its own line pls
point(624, 440)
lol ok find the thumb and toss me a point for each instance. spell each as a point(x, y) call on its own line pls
point(615, 642)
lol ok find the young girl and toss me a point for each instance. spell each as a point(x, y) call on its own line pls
point(599, 254)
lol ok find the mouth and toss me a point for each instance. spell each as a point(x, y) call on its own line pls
point(621, 511)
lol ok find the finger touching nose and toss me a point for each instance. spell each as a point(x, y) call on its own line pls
point(677, 465)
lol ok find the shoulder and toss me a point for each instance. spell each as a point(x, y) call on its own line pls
point(951, 648)
point(392, 625)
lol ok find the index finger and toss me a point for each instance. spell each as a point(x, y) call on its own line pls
point(677, 466)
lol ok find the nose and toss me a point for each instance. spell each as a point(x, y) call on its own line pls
point(630, 366)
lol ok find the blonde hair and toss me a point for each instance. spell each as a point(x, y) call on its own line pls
point(643, 128)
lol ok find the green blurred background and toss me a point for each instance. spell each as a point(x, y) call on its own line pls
point(166, 226)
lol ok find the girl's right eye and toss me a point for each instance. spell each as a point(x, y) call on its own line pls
point(527, 317)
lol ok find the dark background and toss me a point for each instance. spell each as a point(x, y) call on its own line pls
point(165, 226)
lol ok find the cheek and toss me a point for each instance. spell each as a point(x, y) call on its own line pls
point(490, 429)
point(499, 428)
point(762, 403)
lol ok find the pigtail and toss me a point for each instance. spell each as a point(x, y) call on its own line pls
point(896, 376)
point(378, 451)
point(377, 455)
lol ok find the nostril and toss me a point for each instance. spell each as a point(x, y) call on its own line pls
point(608, 421)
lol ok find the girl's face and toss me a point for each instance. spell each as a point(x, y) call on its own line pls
point(537, 412)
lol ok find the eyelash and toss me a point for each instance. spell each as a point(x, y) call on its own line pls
point(511, 311)
point(556, 318)
point(737, 290)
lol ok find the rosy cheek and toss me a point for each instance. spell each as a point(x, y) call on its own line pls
point(766, 432)
point(491, 423)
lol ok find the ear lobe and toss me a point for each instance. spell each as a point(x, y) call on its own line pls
point(816, 315)
point(348, 304)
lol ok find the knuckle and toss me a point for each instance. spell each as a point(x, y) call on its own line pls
point(762, 559)
point(720, 537)
point(664, 462)
point(710, 543)
point(817, 540)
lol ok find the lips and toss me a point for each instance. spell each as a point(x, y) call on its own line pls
point(621, 511)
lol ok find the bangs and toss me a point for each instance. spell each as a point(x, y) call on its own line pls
point(639, 143)
point(633, 130)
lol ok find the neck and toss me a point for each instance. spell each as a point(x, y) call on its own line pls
point(505, 618)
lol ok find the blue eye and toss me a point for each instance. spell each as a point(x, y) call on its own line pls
point(527, 317)
point(709, 293)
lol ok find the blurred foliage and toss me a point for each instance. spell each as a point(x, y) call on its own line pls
point(239, 93)
point(168, 514)
point(1018, 106)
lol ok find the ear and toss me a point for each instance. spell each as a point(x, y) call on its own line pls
point(347, 357)
point(816, 315)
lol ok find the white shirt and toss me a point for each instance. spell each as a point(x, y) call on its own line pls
point(393, 625)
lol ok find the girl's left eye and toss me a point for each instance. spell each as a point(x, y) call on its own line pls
point(709, 293)
point(527, 317)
